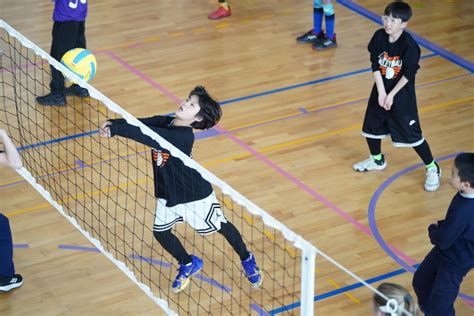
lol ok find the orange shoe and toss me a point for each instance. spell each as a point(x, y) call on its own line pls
point(219, 13)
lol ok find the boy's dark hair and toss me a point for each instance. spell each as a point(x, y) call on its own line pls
point(465, 164)
point(399, 10)
point(210, 112)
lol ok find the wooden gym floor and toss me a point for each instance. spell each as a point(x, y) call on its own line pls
point(299, 109)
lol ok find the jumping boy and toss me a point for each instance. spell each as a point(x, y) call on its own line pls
point(437, 280)
point(182, 194)
point(392, 108)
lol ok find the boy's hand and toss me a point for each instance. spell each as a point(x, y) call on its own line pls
point(3, 133)
point(388, 102)
point(104, 130)
point(382, 97)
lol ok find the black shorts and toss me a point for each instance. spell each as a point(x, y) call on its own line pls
point(400, 123)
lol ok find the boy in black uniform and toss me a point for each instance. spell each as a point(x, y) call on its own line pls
point(392, 106)
point(182, 194)
point(437, 280)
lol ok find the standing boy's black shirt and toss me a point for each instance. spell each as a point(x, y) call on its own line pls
point(454, 236)
point(395, 60)
point(174, 181)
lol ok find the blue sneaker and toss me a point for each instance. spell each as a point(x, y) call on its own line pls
point(185, 272)
point(252, 271)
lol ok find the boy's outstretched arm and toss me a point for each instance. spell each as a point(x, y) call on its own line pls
point(122, 128)
point(10, 157)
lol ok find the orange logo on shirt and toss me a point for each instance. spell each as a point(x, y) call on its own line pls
point(160, 157)
point(389, 66)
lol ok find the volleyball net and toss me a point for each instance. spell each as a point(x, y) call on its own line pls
point(105, 188)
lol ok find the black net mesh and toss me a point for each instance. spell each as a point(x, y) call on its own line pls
point(106, 185)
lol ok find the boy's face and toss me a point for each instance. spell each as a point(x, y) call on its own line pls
point(393, 25)
point(188, 109)
point(456, 182)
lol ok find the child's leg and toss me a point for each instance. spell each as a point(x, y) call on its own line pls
point(7, 268)
point(174, 247)
point(330, 17)
point(234, 238)
point(423, 150)
point(251, 270)
point(445, 291)
point(375, 147)
point(433, 172)
point(424, 279)
point(318, 13)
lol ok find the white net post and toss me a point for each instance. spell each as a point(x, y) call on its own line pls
point(308, 267)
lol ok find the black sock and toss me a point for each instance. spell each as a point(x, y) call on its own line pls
point(423, 150)
point(172, 244)
point(234, 238)
point(375, 146)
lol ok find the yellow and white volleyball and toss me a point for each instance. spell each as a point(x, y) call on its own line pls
point(81, 62)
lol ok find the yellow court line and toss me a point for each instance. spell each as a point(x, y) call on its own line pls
point(297, 141)
point(349, 295)
point(76, 197)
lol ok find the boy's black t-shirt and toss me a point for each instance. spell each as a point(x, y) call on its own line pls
point(453, 237)
point(395, 60)
point(174, 181)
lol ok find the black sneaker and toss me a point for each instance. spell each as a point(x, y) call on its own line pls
point(326, 43)
point(311, 38)
point(7, 284)
point(78, 91)
point(52, 100)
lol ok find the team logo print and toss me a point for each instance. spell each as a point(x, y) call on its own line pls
point(389, 66)
point(160, 158)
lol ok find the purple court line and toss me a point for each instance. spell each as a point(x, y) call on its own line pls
point(373, 222)
point(141, 75)
point(78, 248)
point(213, 132)
point(23, 246)
point(267, 161)
point(454, 58)
point(152, 261)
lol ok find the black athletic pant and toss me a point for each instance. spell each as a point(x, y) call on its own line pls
point(66, 36)
point(172, 244)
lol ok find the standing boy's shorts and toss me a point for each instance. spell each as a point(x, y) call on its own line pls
point(205, 215)
point(401, 124)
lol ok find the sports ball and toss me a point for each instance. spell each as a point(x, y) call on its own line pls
point(81, 62)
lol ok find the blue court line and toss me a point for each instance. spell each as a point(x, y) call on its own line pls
point(454, 58)
point(342, 290)
point(252, 96)
point(57, 140)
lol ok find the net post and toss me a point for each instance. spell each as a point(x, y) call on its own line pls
point(308, 267)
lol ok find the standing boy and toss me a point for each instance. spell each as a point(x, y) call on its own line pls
point(317, 37)
point(8, 279)
point(392, 108)
point(68, 32)
point(182, 194)
point(436, 281)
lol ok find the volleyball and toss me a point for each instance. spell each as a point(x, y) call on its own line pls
point(81, 62)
